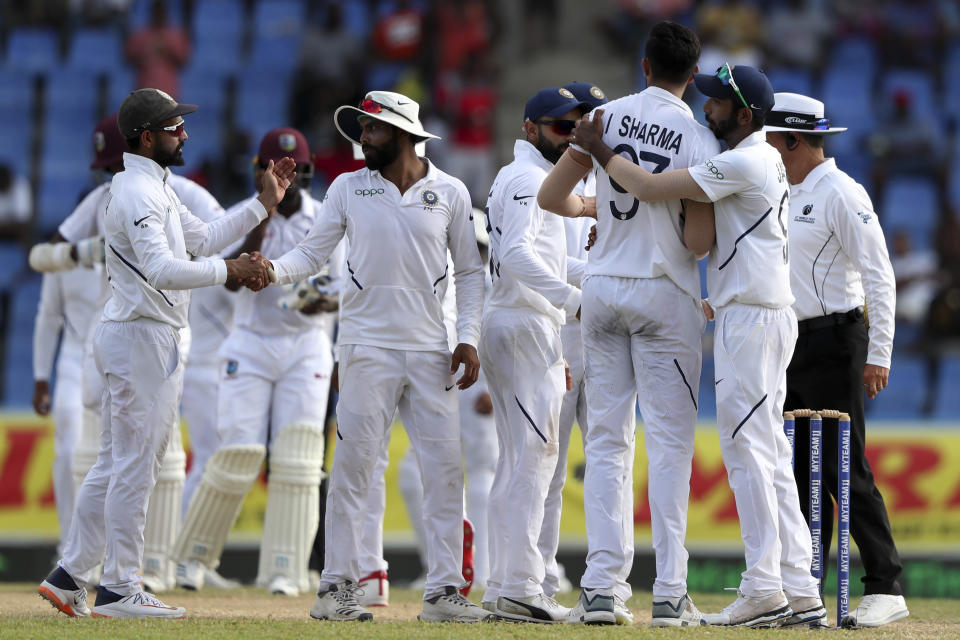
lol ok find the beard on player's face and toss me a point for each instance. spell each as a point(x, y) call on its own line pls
point(376, 157)
point(169, 157)
point(722, 128)
point(549, 150)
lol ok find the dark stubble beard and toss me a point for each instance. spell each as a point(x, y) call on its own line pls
point(550, 151)
point(378, 157)
point(172, 158)
point(723, 128)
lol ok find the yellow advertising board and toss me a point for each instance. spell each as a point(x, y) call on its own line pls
point(917, 468)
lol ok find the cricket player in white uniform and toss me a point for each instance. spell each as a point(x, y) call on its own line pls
point(83, 233)
point(838, 267)
point(148, 233)
point(274, 380)
point(642, 326)
point(401, 215)
point(522, 356)
point(574, 405)
point(748, 278)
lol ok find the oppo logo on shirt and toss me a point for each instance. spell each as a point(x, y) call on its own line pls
point(363, 193)
point(714, 170)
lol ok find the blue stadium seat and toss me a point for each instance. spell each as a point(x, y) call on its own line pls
point(951, 92)
point(919, 84)
point(792, 80)
point(854, 54)
point(218, 20)
point(222, 54)
point(120, 83)
point(64, 171)
point(262, 104)
point(267, 53)
point(16, 131)
point(97, 50)
point(902, 398)
point(18, 368)
point(948, 401)
point(139, 15)
point(278, 19)
point(72, 96)
point(16, 90)
point(911, 203)
point(33, 49)
point(205, 128)
point(848, 101)
point(12, 255)
point(205, 88)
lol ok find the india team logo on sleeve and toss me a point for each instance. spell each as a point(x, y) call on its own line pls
point(232, 366)
point(430, 198)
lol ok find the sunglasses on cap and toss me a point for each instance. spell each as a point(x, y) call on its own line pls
point(372, 106)
point(725, 75)
point(559, 127)
point(174, 129)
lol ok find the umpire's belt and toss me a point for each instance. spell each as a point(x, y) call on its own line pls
point(832, 320)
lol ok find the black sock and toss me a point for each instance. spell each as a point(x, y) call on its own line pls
point(62, 580)
point(105, 596)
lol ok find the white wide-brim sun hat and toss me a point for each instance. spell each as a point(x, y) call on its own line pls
point(386, 106)
point(800, 114)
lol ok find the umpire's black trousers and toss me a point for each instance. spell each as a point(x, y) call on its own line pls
point(826, 373)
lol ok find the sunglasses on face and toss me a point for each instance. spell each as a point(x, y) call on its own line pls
point(559, 127)
point(725, 75)
point(372, 106)
point(174, 129)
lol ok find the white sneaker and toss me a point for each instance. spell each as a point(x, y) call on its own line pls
point(622, 614)
point(283, 586)
point(682, 614)
point(339, 603)
point(750, 611)
point(807, 610)
point(489, 605)
point(140, 604)
point(876, 610)
point(452, 606)
point(593, 607)
point(216, 581)
point(191, 574)
point(535, 608)
point(70, 598)
point(375, 590)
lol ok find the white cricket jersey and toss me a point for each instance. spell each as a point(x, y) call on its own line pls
point(68, 301)
point(838, 252)
point(749, 190)
point(397, 270)
point(259, 311)
point(150, 236)
point(655, 129)
point(528, 246)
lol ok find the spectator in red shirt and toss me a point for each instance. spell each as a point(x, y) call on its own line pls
point(158, 51)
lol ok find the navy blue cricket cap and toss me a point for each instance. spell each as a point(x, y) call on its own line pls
point(587, 92)
point(552, 102)
point(752, 83)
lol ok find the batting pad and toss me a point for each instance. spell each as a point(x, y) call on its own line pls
point(227, 478)
point(163, 515)
point(88, 446)
point(293, 504)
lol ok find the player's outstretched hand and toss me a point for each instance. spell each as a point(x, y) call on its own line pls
point(588, 134)
point(250, 271)
point(276, 179)
point(466, 355)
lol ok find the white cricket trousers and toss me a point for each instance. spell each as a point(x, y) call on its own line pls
point(68, 425)
point(271, 381)
point(198, 406)
point(140, 361)
point(752, 348)
point(574, 407)
point(641, 341)
point(523, 359)
point(374, 383)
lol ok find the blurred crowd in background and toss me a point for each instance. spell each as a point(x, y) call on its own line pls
point(886, 69)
